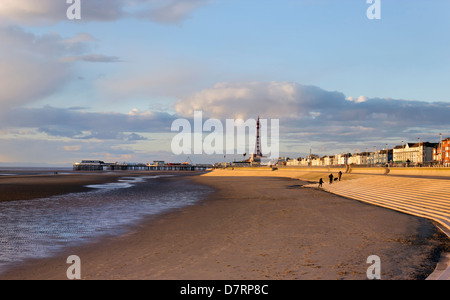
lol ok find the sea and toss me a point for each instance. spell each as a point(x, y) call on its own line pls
point(41, 228)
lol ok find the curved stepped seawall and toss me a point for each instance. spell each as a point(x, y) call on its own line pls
point(422, 197)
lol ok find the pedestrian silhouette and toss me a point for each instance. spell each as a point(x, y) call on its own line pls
point(320, 182)
point(331, 178)
point(340, 175)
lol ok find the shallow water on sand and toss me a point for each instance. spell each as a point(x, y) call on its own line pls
point(39, 228)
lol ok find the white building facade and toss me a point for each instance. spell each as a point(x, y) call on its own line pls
point(414, 153)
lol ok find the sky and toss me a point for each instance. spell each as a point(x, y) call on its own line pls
point(109, 85)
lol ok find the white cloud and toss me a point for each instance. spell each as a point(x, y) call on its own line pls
point(360, 99)
point(35, 66)
point(269, 99)
point(80, 38)
point(64, 122)
point(91, 58)
point(72, 148)
point(44, 12)
point(326, 116)
point(29, 11)
point(308, 116)
point(28, 67)
point(61, 135)
point(172, 12)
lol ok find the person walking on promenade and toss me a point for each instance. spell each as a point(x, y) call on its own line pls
point(331, 178)
point(320, 182)
point(340, 175)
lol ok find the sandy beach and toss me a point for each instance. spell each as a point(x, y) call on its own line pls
point(255, 228)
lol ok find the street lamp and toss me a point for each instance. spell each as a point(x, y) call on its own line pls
point(367, 156)
point(419, 154)
point(403, 152)
point(387, 154)
point(375, 158)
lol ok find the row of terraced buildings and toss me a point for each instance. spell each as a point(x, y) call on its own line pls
point(407, 154)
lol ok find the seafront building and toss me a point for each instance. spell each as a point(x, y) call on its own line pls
point(328, 160)
point(359, 158)
point(437, 153)
point(382, 157)
point(446, 151)
point(342, 159)
point(441, 153)
point(404, 153)
point(414, 153)
point(407, 154)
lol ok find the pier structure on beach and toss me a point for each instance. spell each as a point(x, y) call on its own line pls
point(98, 165)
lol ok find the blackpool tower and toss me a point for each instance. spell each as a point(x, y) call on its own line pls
point(256, 156)
point(258, 151)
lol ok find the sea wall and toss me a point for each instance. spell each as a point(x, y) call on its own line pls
point(424, 171)
point(318, 172)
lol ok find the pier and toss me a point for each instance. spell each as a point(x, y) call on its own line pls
point(98, 165)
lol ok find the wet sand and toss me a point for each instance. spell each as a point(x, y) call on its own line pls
point(257, 228)
point(29, 187)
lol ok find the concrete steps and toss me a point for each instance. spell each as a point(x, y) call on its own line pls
point(422, 197)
